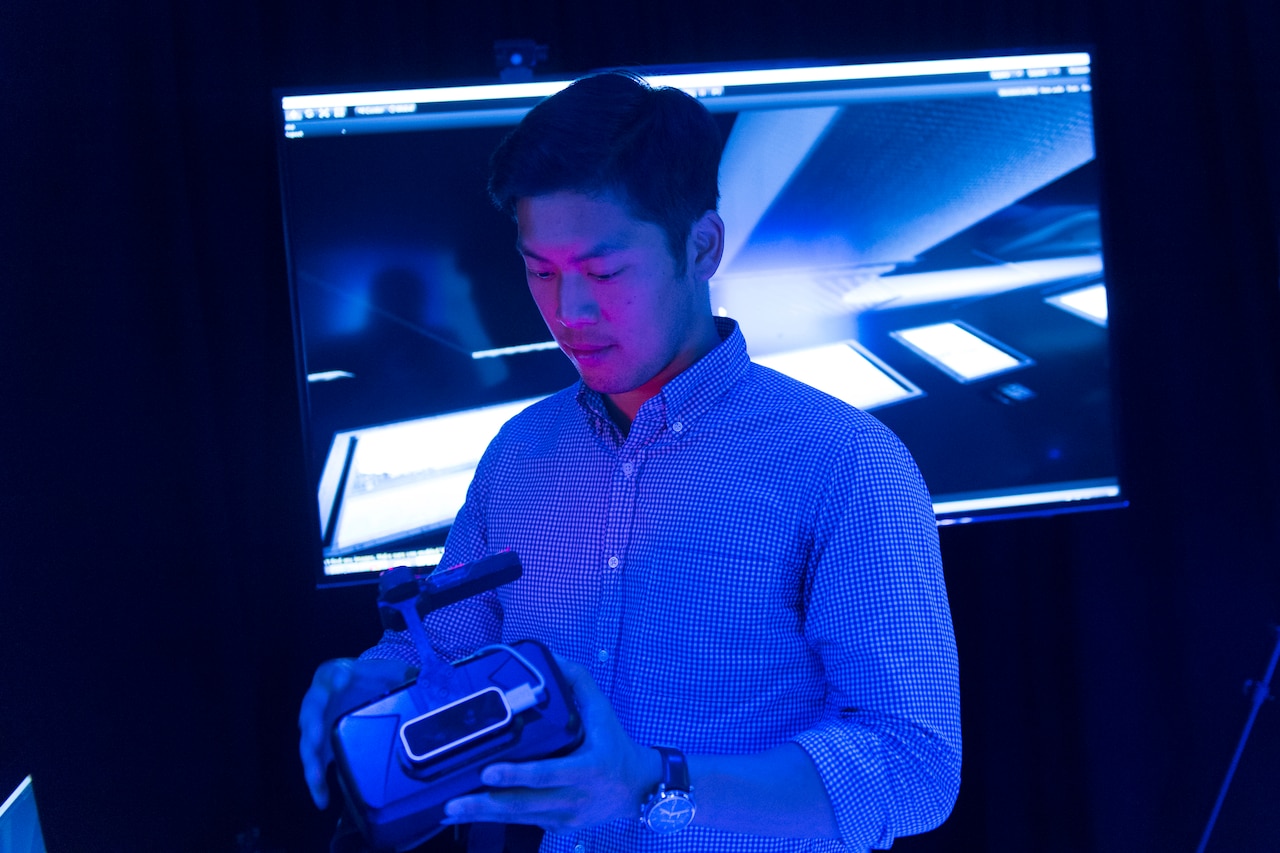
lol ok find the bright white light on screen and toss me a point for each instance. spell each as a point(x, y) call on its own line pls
point(1087, 302)
point(421, 558)
point(409, 476)
point(444, 95)
point(515, 350)
point(1024, 499)
point(431, 445)
point(329, 376)
point(844, 372)
point(701, 84)
point(939, 285)
point(869, 71)
point(959, 351)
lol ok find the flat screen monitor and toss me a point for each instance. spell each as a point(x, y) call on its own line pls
point(919, 238)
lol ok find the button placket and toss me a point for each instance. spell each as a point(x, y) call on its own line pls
point(617, 534)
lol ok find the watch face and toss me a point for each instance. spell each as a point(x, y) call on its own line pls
point(671, 813)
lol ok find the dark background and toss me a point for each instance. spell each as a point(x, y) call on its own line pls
point(156, 534)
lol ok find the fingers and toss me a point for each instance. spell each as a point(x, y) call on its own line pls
point(599, 781)
point(586, 694)
point(550, 773)
point(337, 686)
point(313, 770)
point(331, 678)
point(553, 809)
point(314, 749)
point(578, 675)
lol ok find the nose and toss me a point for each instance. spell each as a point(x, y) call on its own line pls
point(577, 304)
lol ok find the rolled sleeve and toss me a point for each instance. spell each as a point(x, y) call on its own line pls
point(888, 748)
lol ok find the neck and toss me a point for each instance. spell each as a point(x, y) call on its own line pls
point(621, 419)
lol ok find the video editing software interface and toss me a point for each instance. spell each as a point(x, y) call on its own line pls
point(920, 239)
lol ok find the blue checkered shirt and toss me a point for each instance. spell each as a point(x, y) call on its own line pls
point(754, 562)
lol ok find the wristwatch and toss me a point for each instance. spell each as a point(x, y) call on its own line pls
point(670, 808)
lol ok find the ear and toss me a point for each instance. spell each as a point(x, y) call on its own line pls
point(706, 245)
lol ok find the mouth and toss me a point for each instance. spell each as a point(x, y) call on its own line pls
point(585, 353)
point(584, 349)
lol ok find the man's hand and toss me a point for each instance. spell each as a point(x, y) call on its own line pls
point(604, 779)
point(338, 686)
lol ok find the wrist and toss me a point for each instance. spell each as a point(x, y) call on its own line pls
point(669, 806)
point(652, 775)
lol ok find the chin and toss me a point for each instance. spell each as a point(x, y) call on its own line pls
point(606, 384)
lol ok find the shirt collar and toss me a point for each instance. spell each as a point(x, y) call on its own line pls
point(687, 396)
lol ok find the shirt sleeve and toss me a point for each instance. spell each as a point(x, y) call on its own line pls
point(459, 629)
point(888, 747)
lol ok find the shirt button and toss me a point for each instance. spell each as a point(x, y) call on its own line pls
point(579, 848)
point(602, 655)
point(613, 562)
point(627, 468)
point(677, 426)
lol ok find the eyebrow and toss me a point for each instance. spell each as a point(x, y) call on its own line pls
point(599, 250)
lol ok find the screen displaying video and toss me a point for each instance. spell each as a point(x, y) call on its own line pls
point(920, 239)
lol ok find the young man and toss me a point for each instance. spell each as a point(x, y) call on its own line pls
point(740, 574)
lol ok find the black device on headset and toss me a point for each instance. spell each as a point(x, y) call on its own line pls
point(401, 757)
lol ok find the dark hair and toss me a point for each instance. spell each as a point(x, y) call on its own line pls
point(656, 149)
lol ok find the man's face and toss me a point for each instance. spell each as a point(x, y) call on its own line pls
point(609, 291)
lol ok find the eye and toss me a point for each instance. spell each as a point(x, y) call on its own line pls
point(539, 275)
point(604, 276)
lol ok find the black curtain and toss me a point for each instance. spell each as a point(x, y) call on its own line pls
point(156, 610)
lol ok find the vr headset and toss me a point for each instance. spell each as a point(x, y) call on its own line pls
point(401, 757)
